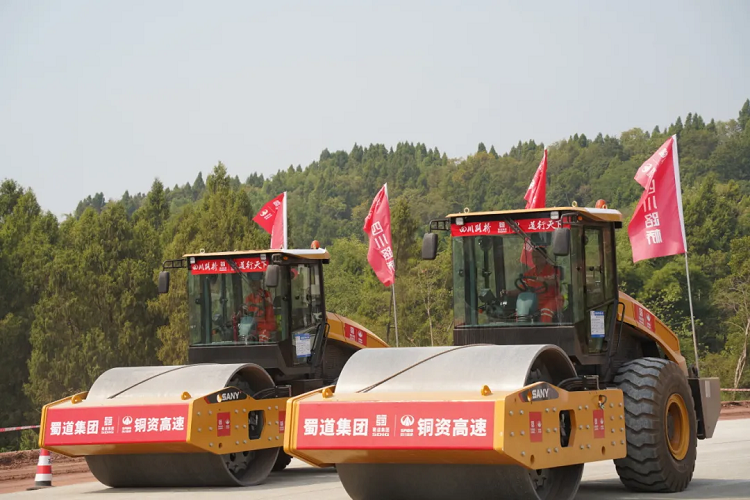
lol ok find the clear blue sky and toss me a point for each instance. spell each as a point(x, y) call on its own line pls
point(106, 96)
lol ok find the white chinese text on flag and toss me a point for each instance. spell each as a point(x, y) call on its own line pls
point(378, 229)
point(657, 228)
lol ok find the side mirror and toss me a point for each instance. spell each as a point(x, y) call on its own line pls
point(561, 241)
point(271, 278)
point(164, 282)
point(429, 246)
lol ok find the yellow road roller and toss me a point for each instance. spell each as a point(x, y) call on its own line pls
point(551, 367)
point(259, 334)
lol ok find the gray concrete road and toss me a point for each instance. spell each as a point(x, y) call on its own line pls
point(722, 471)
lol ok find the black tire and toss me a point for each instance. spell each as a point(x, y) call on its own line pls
point(282, 461)
point(651, 466)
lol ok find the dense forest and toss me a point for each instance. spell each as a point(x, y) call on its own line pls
point(79, 295)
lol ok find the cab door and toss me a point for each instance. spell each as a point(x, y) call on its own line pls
point(599, 288)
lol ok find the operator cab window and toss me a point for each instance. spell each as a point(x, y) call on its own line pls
point(228, 307)
point(505, 278)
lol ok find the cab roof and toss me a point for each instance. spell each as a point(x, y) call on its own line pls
point(597, 214)
point(309, 253)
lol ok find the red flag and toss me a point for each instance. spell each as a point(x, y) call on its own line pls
point(268, 218)
point(378, 229)
point(536, 197)
point(657, 228)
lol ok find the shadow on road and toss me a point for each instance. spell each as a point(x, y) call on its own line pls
point(296, 476)
point(699, 489)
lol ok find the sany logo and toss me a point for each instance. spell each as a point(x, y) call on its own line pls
point(407, 420)
point(127, 420)
point(229, 396)
point(540, 393)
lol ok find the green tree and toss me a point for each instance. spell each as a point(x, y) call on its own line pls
point(93, 314)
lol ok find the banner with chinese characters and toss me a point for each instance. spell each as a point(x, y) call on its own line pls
point(457, 425)
point(116, 424)
point(490, 228)
point(657, 228)
point(221, 266)
point(377, 227)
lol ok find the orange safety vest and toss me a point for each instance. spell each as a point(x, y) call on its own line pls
point(259, 304)
point(552, 294)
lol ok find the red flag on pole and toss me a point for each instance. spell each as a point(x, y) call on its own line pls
point(378, 229)
point(657, 228)
point(536, 197)
point(268, 218)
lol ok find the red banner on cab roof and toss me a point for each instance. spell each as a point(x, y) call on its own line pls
point(495, 227)
point(221, 266)
point(439, 425)
point(116, 425)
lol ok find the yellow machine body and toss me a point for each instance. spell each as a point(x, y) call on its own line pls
point(214, 423)
point(519, 429)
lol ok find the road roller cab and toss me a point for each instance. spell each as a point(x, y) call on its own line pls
point(269, 307)
point(552, 367)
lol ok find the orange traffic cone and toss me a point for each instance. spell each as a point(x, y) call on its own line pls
point(43, 477)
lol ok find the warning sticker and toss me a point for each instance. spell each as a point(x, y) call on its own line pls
point(535, 426)
point(223, 424)
point(599, 424)
point(282, 421)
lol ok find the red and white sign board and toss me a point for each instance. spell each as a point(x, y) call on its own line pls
point(355, 334)
point(221, 266)
point(599, 424)
point(443, 425)
point(535, 426)
point(499, 227)
point(282, 421)
point(644, 318)
point(116, 425)
point(223, 424)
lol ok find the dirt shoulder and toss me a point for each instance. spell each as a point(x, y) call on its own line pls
point(731, 410)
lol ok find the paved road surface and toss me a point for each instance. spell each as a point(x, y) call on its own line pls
point(722, 471)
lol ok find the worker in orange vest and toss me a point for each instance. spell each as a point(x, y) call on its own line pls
point(542, 279)
point(259, 305)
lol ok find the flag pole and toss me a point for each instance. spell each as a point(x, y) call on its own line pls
point(684, 242)
point(692, 317)
point(395, 320)
point(286, 222)
point(393, 285)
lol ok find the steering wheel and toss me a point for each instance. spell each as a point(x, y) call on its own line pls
point(522, 284)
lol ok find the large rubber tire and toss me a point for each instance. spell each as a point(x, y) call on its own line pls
point(282, 461)
point(656, 393)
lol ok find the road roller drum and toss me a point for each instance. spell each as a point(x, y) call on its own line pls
point(458, 422)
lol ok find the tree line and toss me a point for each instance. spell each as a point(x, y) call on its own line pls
point(78, 296)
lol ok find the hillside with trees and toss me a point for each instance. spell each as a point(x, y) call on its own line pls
point(79, 296)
